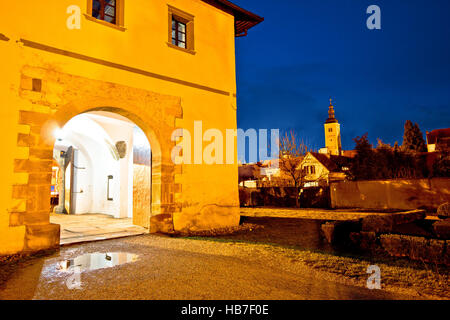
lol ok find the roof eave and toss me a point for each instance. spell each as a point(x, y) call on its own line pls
point(244, 19)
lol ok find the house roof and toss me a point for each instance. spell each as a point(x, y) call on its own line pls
point(271, 163)
point(331, 162)
point(435, 135)
point(350, 153)
point(248, 172)
point(244, 20)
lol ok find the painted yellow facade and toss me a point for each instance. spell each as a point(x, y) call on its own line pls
point(51, 73)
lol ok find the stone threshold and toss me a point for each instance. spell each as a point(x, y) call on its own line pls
point(100, 237)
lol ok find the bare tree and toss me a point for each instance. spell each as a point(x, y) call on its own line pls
point(292, 152)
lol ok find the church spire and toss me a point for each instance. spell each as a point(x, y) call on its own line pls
point(332, 133)
point(331, 117)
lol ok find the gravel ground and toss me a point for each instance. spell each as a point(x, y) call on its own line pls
point(178, 268)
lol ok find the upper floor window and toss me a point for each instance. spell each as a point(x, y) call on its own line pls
point(178, 33)
point(330, 129)
point(181, 30)
point(105, 10)
point(309, 170)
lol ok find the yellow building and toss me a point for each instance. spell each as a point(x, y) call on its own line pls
point(332, 133)
point(159, 64)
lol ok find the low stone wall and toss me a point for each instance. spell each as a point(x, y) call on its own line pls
point(391, 194)
point(416, 248)
point(403, 234)
point(268, 197)
point(284, 197)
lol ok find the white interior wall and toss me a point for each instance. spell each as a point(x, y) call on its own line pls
point(94, 136)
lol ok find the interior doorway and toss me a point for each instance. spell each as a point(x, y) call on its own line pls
point(101, 181)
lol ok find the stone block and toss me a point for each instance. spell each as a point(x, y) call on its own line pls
point(41, 153)
point(21, 165)
point(415, 248)
point(19, 191)
point(443, 210)
point(387, 223)
point(24, 139)
point(39, 178)
point(32, 139)
point(42, 236)
point(28, 217)
point(446, 258)
point(395, 245)
point(161, 223)
point(338, 232)
point(419, 249)
point(32, 118)
point(442, 229)
point(366, 241)
point(328, 230)
point(436, 251)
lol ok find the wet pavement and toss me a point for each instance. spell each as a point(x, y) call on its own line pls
point(155, 267)
point(95, 261)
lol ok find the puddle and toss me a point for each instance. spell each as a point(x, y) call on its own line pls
point(95, 261)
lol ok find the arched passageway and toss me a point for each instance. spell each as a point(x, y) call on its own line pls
point(102, 184)
point(155, 114)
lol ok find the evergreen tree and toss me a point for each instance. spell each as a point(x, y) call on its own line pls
point(441, 166)
point(386, 162)
point(363, 166)
point(413, 138)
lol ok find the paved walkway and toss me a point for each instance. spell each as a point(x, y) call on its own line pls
point(93, 227)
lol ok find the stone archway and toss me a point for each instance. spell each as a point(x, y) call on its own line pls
point(154, 113)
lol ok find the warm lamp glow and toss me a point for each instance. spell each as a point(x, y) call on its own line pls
point(59, 134)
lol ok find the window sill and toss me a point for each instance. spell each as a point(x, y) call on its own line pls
point(181, 49)
point(107, 24)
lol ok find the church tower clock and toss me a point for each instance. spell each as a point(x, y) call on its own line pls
point(332, 133)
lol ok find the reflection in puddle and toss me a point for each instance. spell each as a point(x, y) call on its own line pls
point(94, 261)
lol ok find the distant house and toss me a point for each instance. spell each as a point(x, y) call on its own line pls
point(438, 140)
point(270, 169)
point(250, 174)
point(320, 169)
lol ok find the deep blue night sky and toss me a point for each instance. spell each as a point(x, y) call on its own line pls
point(308, 51)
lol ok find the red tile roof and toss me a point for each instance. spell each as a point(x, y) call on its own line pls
point(435, 135)
point(331, 162)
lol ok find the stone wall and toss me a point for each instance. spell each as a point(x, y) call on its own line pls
point(284, 197)
point(391, 194)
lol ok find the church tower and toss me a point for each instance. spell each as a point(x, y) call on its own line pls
point(332, 133)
